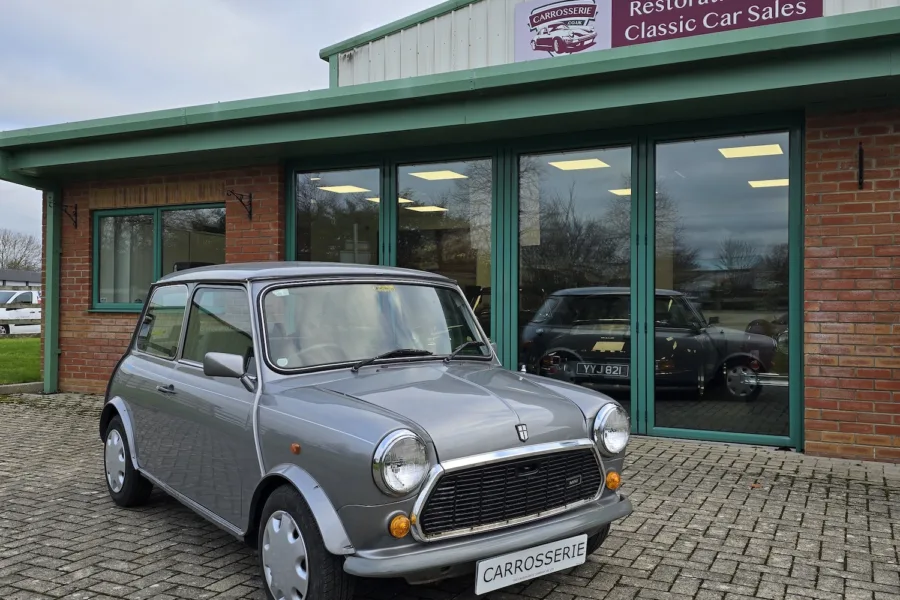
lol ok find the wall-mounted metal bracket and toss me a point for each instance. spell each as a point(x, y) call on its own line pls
point(71, 211)
point(247, 204)
point(862, 167)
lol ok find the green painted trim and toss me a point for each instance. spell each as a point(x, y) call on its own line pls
point(290, 213)
point(8, 174)
point(722, 436)
point(505, 256)
point(388, 214)
point(334, 72)
point(156, 212)
point(647, 286)
point(52, 275)
point(796, 287)
point(639, 219)
point(398, 25)
point(801, 37)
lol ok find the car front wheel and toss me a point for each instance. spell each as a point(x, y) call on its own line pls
point(737, 387)
point(126, 486)
point(293, 559)
point(4, 329)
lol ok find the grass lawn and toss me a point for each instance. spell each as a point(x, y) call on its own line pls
point(20, 360)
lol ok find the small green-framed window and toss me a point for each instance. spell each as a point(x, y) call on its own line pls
point(132, 248)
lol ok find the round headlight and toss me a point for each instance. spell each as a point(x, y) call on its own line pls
point(400, 463)
point(612, 428)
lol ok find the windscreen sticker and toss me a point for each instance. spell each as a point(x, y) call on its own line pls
point(281, 293)
point(282, 362)
point(384, 288)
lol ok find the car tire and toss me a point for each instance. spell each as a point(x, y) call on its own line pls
point(595, 541)
point(735, 390)
point(557, 46)
point(4, 329)
point(282, 560)
point(126, 486)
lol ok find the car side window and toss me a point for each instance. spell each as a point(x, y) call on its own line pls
point(25, 298)
point(219, 321)
point(160, 330)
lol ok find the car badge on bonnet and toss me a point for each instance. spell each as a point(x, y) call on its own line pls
point(522, 430)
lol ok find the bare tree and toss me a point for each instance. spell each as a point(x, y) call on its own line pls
point(738, 259)
point(19, 251)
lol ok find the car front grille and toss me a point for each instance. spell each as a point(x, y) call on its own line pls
point(494, 494)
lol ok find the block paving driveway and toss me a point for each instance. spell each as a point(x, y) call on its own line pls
point(711, 522)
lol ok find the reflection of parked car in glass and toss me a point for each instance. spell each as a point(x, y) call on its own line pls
point(561, 38)
point(583, 335)
point(529, 302)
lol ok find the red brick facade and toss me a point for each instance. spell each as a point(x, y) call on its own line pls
point(90, 342)
point(852, 286)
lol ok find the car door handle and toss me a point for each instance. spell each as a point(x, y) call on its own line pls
point(166, 389)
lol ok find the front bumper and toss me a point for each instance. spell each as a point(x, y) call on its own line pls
point(442, 557)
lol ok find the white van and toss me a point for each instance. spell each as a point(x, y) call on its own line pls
point(9, 314)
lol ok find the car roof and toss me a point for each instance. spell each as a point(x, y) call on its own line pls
point(608, 291)
point(294, 270)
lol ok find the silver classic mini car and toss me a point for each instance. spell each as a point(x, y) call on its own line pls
point(353, 421)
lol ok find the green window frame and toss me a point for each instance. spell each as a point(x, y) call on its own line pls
point(156, 213)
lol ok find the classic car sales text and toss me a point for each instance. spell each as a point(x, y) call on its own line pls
point(756, 14)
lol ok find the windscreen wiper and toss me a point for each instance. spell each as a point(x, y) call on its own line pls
point(392, 354)
point(461, 347)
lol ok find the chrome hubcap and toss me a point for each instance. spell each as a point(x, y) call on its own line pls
point(284, 558)
point(735, 381)
point(115, 461)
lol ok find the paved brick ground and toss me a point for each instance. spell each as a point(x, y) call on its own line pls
point(711, 522)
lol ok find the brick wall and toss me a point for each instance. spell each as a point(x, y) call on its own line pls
point(91, 343)
point(852, 282)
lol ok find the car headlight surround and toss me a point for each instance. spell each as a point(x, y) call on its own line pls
point(400, 463)
point(612, 429)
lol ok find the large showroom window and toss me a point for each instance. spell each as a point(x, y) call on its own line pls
point(444, 225)
point(575, 267)
point(135, 247)
point(337, 216)
point(722, 285)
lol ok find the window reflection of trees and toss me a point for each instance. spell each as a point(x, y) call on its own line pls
point(332, 227)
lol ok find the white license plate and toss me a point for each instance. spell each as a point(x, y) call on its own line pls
point(605, 370)
point(502, 571)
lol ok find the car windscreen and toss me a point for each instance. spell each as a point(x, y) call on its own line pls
point(317, 325)
point(5, 296)
point(602, 308)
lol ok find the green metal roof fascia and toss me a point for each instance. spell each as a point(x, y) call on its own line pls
point(400, 24)
point(786, 36)
point(664, 86)
point(8, 174)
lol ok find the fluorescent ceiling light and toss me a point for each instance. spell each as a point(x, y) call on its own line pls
point(767, 183)
point(344, 189)
point(404, 201)
point(374, 199)
point(438, 175)
point(751, 151)
point(578, 165)
point(623, 192)
point(315, 179)
point(426, 208)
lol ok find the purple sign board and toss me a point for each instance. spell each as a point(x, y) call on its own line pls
point(555, 27)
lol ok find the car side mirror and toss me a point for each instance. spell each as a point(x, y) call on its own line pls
point(714, 320)
point(219, 364)
point(231, 366)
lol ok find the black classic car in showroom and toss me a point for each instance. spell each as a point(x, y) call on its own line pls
point(583, 336)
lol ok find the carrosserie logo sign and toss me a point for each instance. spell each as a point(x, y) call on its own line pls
point(545, 28)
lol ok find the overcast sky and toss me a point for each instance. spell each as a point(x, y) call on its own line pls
point(68, 60)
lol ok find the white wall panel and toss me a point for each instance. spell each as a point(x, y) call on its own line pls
point(477, 35)
point(443, 44)
point(840, 7)
point(426, 48)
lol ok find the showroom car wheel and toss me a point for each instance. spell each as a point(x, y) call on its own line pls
point(126, 486)
point(294, 563)
point(734, 382)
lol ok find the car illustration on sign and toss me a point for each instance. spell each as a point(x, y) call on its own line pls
point(563, 27)
point(351, 421)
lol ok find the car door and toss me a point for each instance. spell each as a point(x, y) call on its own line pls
point(148, 371)
point(216, 465)
point(683, 347)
